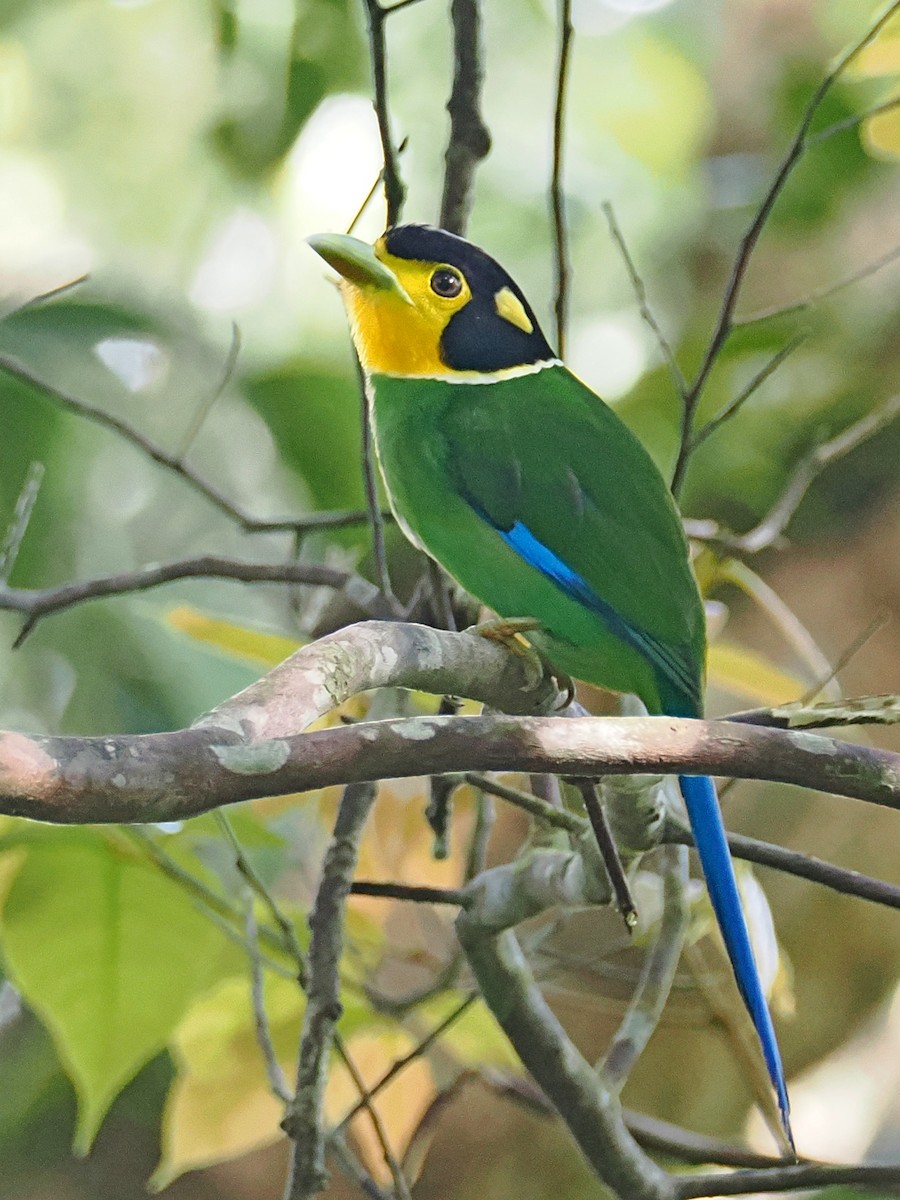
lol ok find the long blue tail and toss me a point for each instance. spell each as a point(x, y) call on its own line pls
point(699, 793)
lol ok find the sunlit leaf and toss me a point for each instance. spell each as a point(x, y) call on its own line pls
point(399, 1105)
point(109, 953)
point(240, 641)
point(881, 133)
point(746, 673)
point(220, 1104)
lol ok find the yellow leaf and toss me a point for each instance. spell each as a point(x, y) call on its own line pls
point(882, 56)
point(399, 1105)
point(239, 641)
point(881, 133)
point(746, 673)
point(220, 1105)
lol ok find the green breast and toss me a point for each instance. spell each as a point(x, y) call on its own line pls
point(464, 460)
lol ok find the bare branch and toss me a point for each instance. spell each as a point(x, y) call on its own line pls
point(43, 297)
point(824, 293)
point(172, 462)
point(303, 1121)
point(725, 320)
point(470, 140)
point(660, 964)
point(394, 189)
point(417, 1051)
point(590, 1107)
point(370, 482)
point(794, 1177)
point(277, 1082)
point(35, 603)
point(640, 292)
point(687, 1146)
point(199, 417)
point(249, 746)
point(557, 199)
point(609, 852)
point(733, 407)
point(777, 519)
point(804, 866)
point(413, 893)
point(822, 135)
point(559, 818)
point(800, 714)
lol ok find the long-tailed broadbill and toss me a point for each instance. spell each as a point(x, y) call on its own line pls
point(529, 490)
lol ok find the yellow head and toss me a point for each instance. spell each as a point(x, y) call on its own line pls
point(422, 302)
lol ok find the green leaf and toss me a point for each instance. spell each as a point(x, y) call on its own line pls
point(110, 954)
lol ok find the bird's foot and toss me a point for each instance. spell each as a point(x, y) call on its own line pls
point(509, 631)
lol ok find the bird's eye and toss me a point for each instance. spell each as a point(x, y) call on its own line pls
point(446, 283)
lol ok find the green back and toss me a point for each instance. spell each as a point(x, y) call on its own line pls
point(465, 462)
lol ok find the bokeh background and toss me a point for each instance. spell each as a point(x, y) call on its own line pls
point(179, 152)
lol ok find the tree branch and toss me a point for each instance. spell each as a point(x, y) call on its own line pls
point(394, 189)
point(557, 199)
point(725, 320)
point(649, 999)
point(250, 745)
point(470, 139)
point(777, 519)
point(172, 461)
point(794, 1177)
point(303, 1121)
point(35, 603)
point(590, 1108)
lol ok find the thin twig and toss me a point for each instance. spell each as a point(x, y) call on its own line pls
point(12, 540)
point(35, 603)
point(220, 909)
point(441, 604)
point(43, 297)
point(796, 1177)
point(370, 482)
point(470, 140)
point(734, 406)
point(476, 857)
point(687, 1146)
point(559, 818)
point(822, 135)
point(10, 365)
point(609, 852)
point(206, 407)
point(407, 891)
point(394, 189)
point(805, 866)
point(823, 293)
point(277, 1081)
point(645, 1008)
point(557, 199)
point(416, 1053)
point(304, 1119)
point(350, 1165)
point(777, 519)
point(725, 320)
point(258, 887)
point(640, 292)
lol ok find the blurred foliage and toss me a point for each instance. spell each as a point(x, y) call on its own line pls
point(180, 153)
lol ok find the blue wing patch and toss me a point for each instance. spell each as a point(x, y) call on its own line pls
point(665, 661)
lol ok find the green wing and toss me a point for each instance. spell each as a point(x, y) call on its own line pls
point(546, 463)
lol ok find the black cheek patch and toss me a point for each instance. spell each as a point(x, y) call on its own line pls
point(477, 338)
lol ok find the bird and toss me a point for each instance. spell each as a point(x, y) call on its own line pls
point(539, 501)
